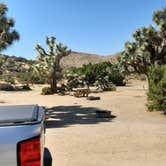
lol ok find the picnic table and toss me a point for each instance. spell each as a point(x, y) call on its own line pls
point(81, 92)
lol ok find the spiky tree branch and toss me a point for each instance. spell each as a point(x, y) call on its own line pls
point(49, 61)
point(148, 48)
point(7, 34)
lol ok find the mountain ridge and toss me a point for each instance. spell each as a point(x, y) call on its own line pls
point(77, 59)
point(14, 64)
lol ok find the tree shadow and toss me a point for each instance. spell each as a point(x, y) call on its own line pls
point(2, 102)
point(64, 116)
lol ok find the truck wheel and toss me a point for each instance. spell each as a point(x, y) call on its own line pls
point(47, 157)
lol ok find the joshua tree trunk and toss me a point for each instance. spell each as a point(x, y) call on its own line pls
point(54, 84)
point(54, 80)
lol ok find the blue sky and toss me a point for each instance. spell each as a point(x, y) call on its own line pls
point(93, 26)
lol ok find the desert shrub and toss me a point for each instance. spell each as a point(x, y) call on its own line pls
point(117, 78)
point(91, 73)
point(105, 84)
point(157, 88)
point(9, 79)
point(61, 89)
point(26, 87)
point(74, 80)
point(46, 91)
point(72, 84)
point(1, 77)
point(30, 76)
point(7, 87)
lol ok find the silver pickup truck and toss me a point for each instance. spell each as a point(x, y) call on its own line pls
point(22, 136)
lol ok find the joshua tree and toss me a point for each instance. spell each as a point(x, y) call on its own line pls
point(7, 34)
point(149, 47)
point(49, 61)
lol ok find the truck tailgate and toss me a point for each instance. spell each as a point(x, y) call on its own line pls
point(14, 129)
point(10, 136)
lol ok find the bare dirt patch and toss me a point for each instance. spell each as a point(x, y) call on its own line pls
point(133, 137)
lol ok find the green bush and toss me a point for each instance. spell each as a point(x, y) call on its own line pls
point(9, 79)
point(30, 77)
point(105, 84)
point(46, 91)
point(61, 89)
point(72, 84)
point(91, 73)
point(157, 88)
point(74, 80)
point(117, 79)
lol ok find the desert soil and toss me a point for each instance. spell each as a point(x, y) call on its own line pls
point(132, 137)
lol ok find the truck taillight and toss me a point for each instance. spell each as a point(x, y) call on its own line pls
point(29, 152)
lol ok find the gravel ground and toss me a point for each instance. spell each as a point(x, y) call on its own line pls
point(131, 137)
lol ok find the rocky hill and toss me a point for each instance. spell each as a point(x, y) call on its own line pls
point(77, 59)
point(13, 64)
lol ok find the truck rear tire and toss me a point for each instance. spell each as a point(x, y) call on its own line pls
point(47, 157)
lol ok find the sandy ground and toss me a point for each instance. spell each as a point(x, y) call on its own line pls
point(132, 137)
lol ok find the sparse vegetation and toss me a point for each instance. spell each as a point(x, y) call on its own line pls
point(104, 84)
point(157, 88)
point(9, 79)
point(104, 75)
point(30, 77)
point(47, 91)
